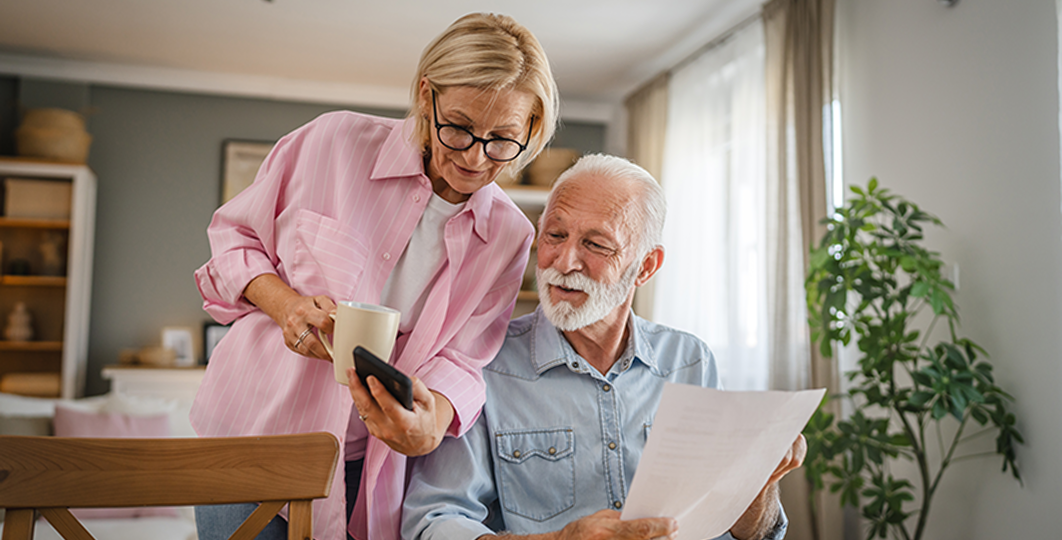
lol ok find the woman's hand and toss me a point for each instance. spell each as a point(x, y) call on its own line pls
point(296, 315)
point(413, 433)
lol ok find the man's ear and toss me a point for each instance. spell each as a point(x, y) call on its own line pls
point(650, 264)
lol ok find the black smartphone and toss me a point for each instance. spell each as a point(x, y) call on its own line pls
point(397, 383)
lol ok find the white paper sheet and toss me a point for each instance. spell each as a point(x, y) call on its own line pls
point(710, 453)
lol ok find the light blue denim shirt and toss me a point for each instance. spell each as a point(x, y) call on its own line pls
point(557, 440)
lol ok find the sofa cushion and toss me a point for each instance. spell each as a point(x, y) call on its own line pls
point(20, 415)
point(113, 417)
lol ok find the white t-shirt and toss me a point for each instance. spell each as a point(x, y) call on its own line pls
point(407, 288)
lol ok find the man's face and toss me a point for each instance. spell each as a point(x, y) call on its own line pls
point(586, 253)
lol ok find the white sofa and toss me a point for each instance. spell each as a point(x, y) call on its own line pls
point(35, 416)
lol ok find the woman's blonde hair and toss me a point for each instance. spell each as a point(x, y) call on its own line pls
point(490, 52)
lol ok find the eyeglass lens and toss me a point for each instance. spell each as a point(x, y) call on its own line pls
point(458, 138)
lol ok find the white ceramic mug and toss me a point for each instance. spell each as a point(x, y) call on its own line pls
point(369, 325)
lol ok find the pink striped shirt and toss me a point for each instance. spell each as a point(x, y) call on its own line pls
point(330, 213)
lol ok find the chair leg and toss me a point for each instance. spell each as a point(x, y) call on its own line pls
point(257, 520)
point(300, 520)
point(18, 524)
point(66, 524)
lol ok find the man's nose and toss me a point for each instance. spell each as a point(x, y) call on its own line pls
point(567, 258)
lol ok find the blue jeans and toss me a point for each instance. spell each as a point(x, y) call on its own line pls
point(218, 522)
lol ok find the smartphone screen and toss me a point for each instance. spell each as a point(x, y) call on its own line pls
point(397, 383)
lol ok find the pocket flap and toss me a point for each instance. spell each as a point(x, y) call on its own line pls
point(339, 253)
point(551, 444)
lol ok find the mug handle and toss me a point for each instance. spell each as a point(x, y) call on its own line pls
point(326, 341)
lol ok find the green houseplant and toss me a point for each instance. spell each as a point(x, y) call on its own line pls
point(872, 280)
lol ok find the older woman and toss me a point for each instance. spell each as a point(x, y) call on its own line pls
point(399, 213)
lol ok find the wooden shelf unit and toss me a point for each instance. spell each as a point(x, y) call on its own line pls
point(532, 200)
point(41, 346)
point(59, 304)
point(25, 223)
point(33, 281)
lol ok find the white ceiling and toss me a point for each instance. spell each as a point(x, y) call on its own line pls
point(365, 50)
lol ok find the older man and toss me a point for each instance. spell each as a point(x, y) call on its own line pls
point(572, 394)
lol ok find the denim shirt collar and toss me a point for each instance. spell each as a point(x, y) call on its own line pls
point(549, 348)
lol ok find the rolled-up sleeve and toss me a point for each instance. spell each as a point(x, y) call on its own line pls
point(243, 239)
point(451, 489)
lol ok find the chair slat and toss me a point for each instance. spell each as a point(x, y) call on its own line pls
point(106, 473)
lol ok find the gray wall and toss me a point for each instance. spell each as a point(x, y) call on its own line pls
point(157, 156)
point(958, 110)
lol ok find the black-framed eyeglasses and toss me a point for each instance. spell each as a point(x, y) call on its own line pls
point(458, 138)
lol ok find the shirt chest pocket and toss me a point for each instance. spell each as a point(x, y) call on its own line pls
point(536, 472)
point(329, 258)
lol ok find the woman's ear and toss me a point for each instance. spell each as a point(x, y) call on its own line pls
point(424, 97)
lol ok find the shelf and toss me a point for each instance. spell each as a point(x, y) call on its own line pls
point(33, 281)
point(526, 195)
point(31, 346)
point(527, 296)
point(28, 223)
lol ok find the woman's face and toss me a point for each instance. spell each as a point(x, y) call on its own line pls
point(487, 114)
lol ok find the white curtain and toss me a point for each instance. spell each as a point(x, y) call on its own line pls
point(714, 279)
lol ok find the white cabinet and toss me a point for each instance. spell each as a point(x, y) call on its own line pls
point(53, 362)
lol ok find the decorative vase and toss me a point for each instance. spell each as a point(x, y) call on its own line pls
point(19, 324)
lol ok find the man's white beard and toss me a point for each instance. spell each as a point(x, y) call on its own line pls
point(601, 298)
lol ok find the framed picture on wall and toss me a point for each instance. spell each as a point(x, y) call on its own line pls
point(180, 339)
point(212, 334)
point(240, 161)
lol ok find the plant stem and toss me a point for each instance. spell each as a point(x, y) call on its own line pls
point(968, 438)
point(813, 510)
point(972, 456)
point(918, 448)
point(925, 337)
point(951, 451)
point(940, 438)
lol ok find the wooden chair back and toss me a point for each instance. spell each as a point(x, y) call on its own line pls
point(52, 474)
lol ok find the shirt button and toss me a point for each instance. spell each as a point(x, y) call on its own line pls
point(611, 446)
point(617, 504)
point(575, 365)
point(606, 388)
point(516, 454)
point(386, 256)
point(416, 198)
point(552, 450)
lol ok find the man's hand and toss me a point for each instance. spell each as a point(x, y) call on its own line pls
point(606, 525)
point(794, 457)
point(760, 517)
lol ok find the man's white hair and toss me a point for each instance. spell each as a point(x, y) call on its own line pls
point(652, 208)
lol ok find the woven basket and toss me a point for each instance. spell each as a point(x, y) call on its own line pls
point(545, 169)
point(53, 134)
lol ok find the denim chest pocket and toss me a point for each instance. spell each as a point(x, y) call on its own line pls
point(536, 472)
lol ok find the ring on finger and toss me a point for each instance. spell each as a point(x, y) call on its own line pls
point(362, 417)
point(303, 336)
